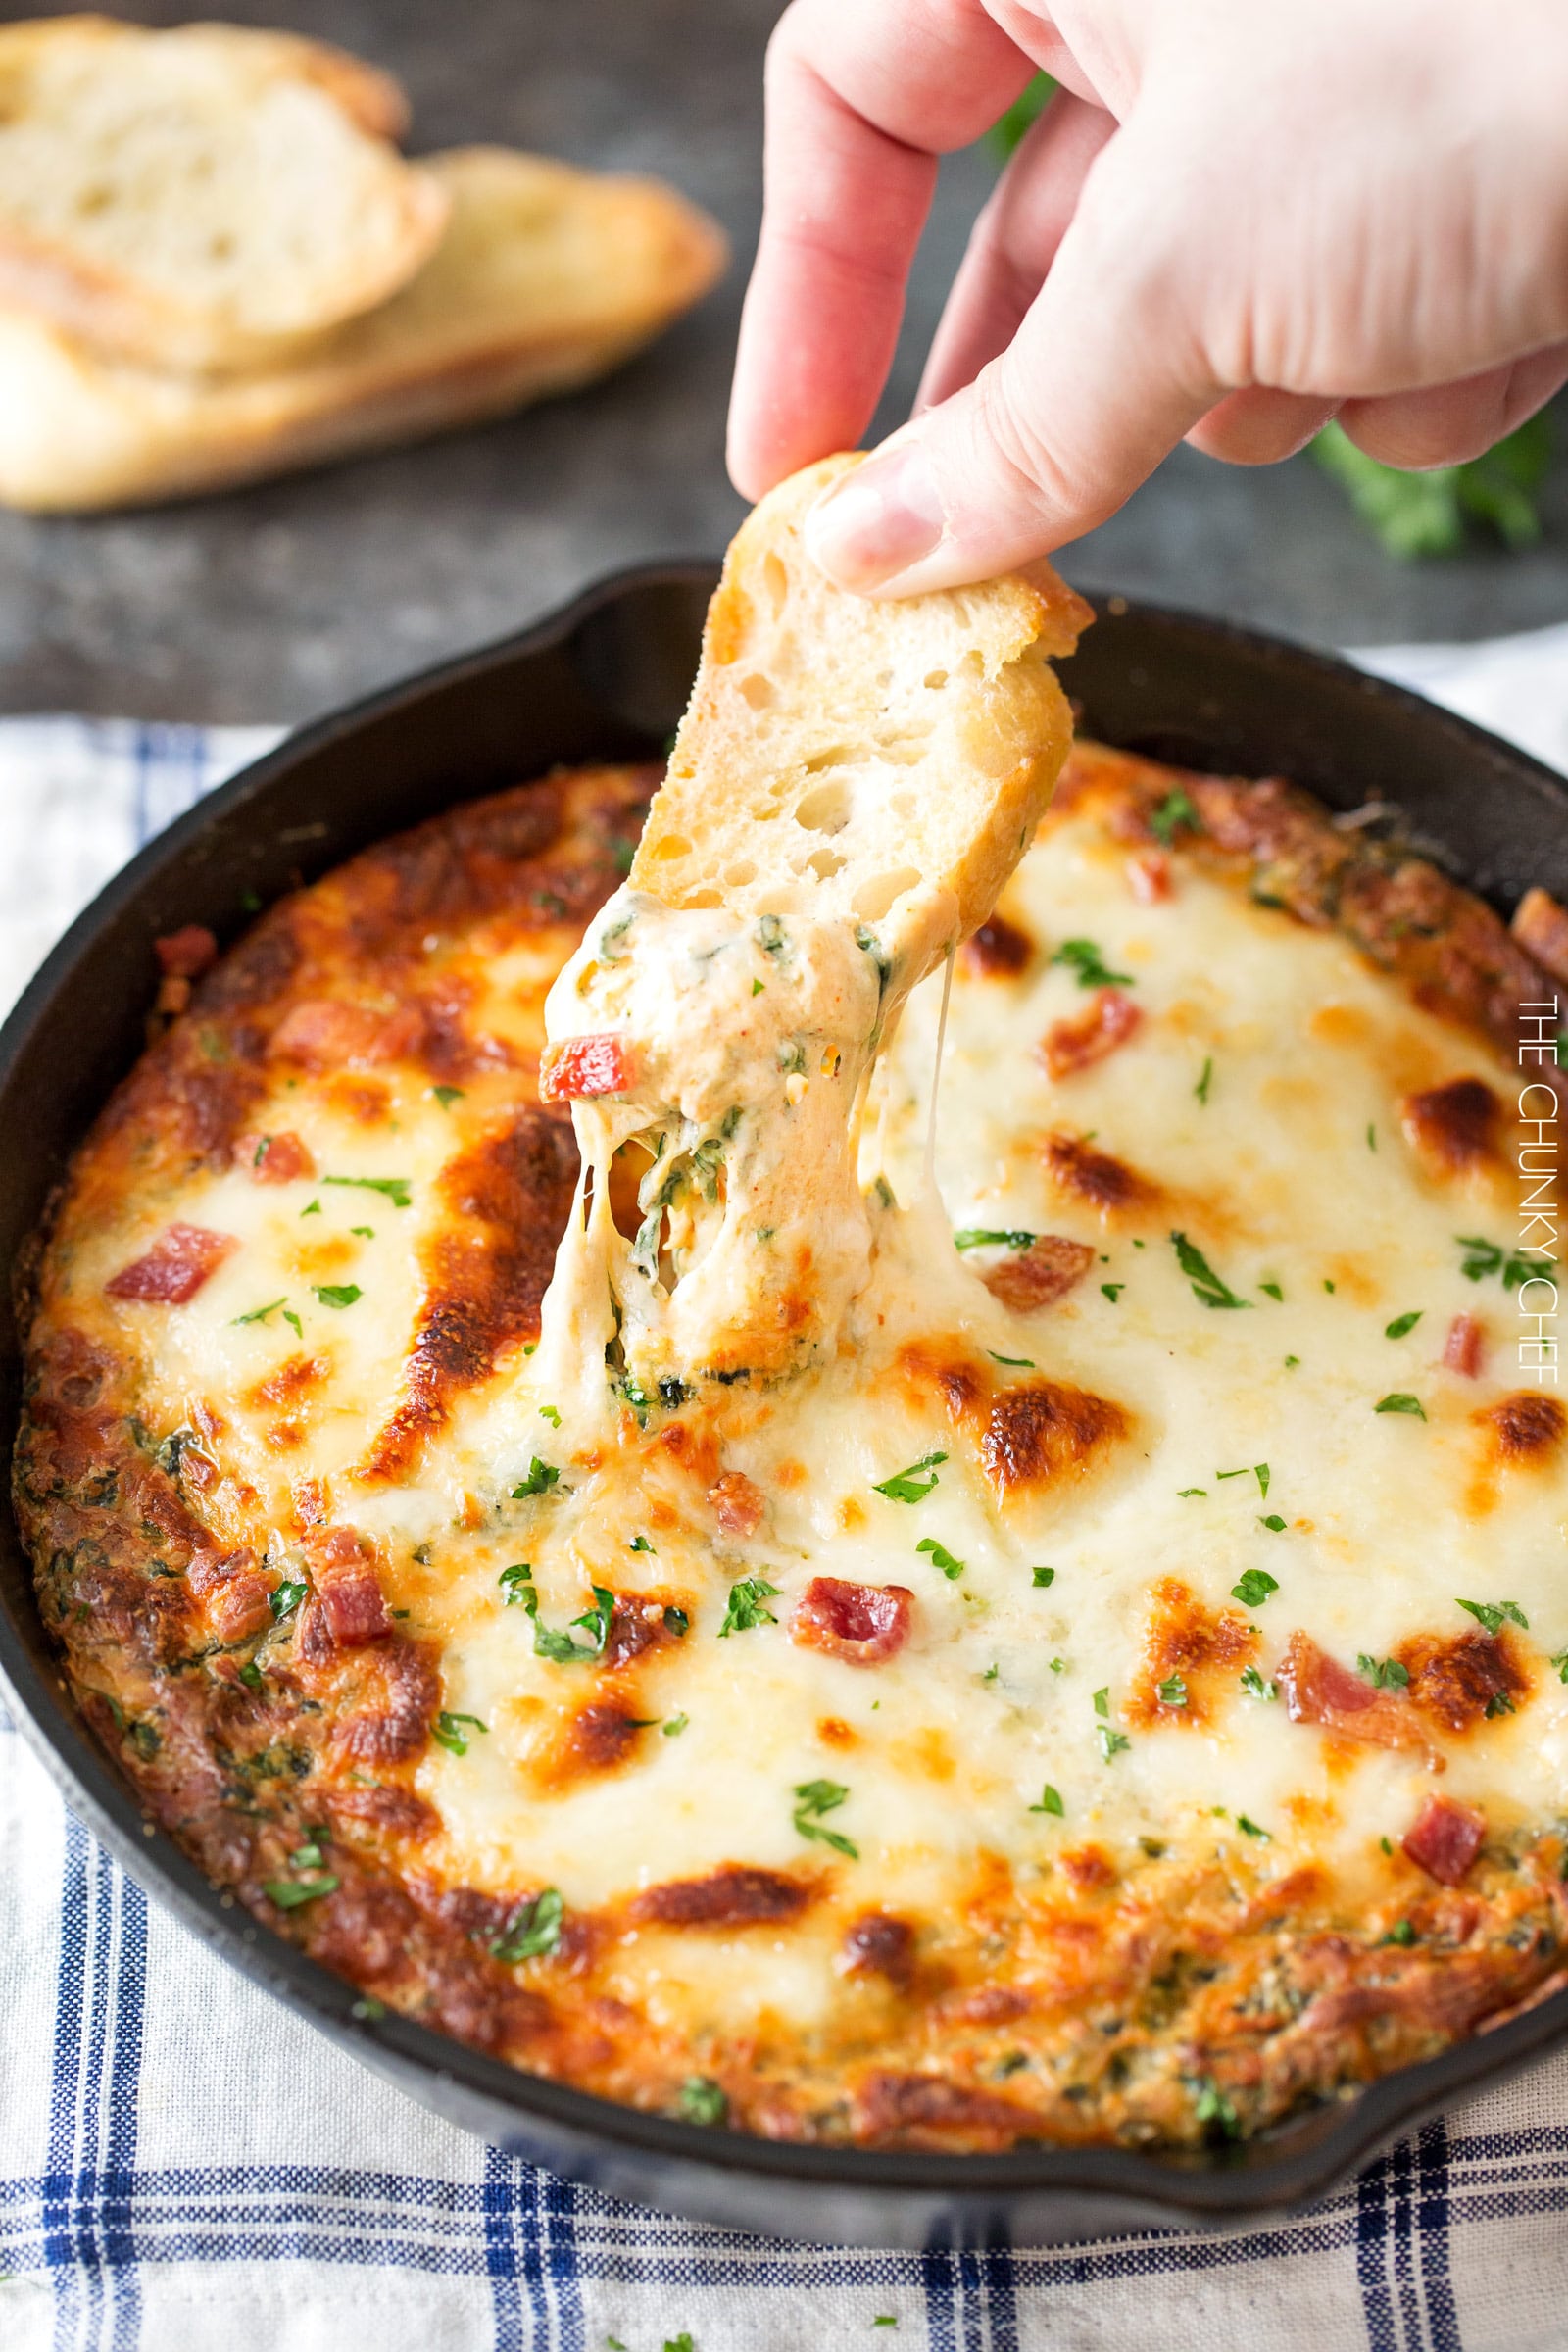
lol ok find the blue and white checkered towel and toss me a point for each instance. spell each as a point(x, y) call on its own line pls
point(187, 2167)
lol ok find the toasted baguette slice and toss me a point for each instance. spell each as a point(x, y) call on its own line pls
point(546, 277)
point(202, 198)
point(883, 761)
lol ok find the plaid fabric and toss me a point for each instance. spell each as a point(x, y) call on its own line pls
point(187, 2167)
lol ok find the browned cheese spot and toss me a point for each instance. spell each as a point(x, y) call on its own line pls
point(1453, 1128)
point(486, 1269)
point(1046, 1431)
point(1453, 1680)
point(998, 949)
point(1204, 1648)
point(880, 1946)
point(1105, 1184)
point(731, 1896)
point(1523, 1429)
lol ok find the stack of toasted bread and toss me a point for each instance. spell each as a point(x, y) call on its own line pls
point(215, 265)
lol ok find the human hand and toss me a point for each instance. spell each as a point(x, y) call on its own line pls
point(1232, 223)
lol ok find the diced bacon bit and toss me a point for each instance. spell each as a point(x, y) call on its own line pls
point(1446, 1839)
point(1149, 876)
point(595, 1065)
point(1072, 1046)
point(326, 1034)
point(186, 953)
point(859, 1624)
point(1041, 1274)
point(1541, 926)
point(998, 949)
point(242, 1606)
point(174, 1268)
point(1319, 1689)
point(346, 1587)
point(210, 1572)
point(1465, 1349)
point(738, 1504)
point(274, 1158)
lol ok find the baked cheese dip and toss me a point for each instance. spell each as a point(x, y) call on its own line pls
point(1113, 1691)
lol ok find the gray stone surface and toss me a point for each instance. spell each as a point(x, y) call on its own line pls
point(279, 601)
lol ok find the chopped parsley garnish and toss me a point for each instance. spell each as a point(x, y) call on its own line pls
point(338, 1294)
point(1200, 1089)
point(1402, 1932)
point(362, 1232)
point(914, 1484)
point(1291, 1362)
point(1500, 1703)
point(1049, 1802)
point(756, 988)
point(1113, 1290)
point(1207, 1285)
point(1173, 1691)
point(1251, 1827)
point(251, 1675)
point(542, 1475)
point(701, 2101)
point(514, 1581)
point(1185, 1494)
point(1258, 1686)
point(1273, 1289)
point(1111, 1742)
point(1493, 1614)
point(259, 1314)
point(1058, 1665)
point(445, 1096)
point(748, 1605)
point(675, 1726)
point(941, 1558)
point(1254, 1588)
point(284, 1600)
point(1014, 1363)
point(676, 1622)
point(1402, 1324)
point(1328, 1286)
point(312, 1208)
point(1560, 1662)
point(641, 1544)
point(548, 1412)
point(447, 1732)
point(289, 1894)
point(1383, 1674)
point(1048, 1576)
point(1258, 1470)
point(1082, 956)
point(1274, 1523)
point(1482, 1257)
point(1103, 1700)
point(558, 1647)
point(1398, 1400)
point(1371, 1137)
point(813, 1798)
point(988, 1237)
point(1175, 811)
point(398, 1189)
point(1215, 2111)
point(260, 1150)
point(533, 1929)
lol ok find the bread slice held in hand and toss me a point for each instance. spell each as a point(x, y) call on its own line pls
point(202, 198)
point(849, 790)
point(545, 277)
point(881, 760)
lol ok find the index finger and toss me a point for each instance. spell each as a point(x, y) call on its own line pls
point(862, 98)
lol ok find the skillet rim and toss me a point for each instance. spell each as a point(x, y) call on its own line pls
point(885, 2197)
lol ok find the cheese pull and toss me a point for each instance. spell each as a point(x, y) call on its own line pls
point(849, 789)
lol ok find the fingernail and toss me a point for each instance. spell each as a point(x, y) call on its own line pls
point(877, 520)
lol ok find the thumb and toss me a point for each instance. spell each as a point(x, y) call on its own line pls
point(1103, 378)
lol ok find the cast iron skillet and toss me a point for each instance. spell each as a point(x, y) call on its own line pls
point(607, 677)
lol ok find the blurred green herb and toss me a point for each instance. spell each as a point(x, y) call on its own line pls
point(1417, 514)
point(1024, 112)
